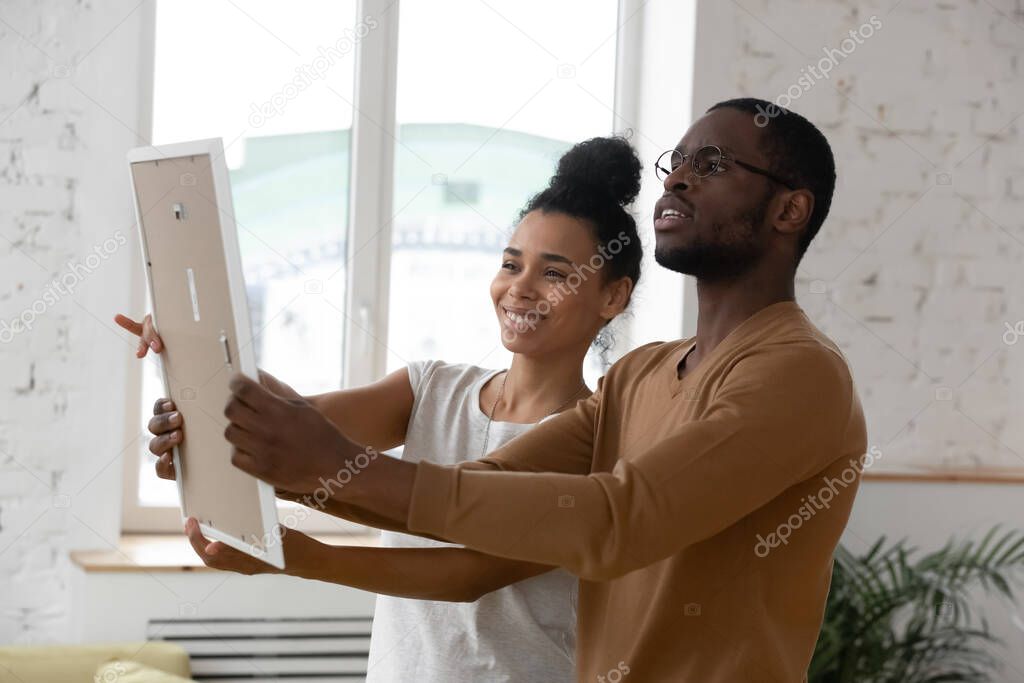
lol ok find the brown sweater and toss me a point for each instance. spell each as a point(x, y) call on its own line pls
point(700, 514)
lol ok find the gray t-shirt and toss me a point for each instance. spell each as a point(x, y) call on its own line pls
point(523, 632)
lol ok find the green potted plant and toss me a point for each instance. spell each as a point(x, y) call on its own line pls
point(894, 619)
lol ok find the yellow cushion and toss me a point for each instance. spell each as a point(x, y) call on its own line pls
point(78, 663)
point(133, 672)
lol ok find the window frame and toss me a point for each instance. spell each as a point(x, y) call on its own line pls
point(371, 190)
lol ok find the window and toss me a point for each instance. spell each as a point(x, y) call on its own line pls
point(378, 161)
point(467, 158)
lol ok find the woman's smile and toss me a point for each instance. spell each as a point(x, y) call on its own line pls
point(521, 320)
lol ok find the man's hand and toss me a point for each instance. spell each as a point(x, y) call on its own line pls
point(283, 441)
point(276, 386)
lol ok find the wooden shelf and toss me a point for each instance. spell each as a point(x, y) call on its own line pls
point(978, 476)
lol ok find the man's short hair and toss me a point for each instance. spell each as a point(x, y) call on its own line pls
point(797, 152)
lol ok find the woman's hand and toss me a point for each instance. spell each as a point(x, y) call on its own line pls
point(299, 551)
point(148, 338)
point(166, 428)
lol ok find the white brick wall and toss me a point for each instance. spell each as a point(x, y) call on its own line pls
point(68, 107)
point(920, 258)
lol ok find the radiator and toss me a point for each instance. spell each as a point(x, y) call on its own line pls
point(291, 650)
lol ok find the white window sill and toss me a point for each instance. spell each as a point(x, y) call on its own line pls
point(172, 553)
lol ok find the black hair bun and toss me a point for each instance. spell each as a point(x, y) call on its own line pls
point(608, 166)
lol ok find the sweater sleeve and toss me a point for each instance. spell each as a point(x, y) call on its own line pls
point(777, 418)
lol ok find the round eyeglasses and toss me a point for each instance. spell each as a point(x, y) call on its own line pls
point(706, 161)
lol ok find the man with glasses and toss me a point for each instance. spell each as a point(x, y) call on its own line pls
point(700, 492)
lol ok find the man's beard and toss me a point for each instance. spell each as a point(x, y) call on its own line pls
point(722, 259)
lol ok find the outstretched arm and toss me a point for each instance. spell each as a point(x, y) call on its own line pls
point(378, 414)
point(777, 418)
point(289, 445)
point(445, 574)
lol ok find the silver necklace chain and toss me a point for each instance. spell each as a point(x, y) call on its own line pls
point(501, 391)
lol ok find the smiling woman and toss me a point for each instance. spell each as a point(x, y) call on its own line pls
point(550, 302)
